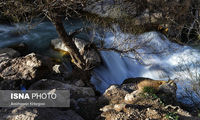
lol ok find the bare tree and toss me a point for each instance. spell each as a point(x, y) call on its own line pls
point(175, 15)
point(55, 10)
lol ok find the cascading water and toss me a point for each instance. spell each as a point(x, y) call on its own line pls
point(161, 66)
point(115, 67)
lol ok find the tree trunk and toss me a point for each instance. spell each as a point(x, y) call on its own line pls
point(68, 41)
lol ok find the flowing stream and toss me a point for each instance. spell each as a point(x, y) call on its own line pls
point(172, 63)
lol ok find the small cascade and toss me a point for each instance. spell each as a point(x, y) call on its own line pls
point(116, 68)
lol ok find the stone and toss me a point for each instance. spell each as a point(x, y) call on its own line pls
point(88, 108)
point(107, 108)
point(152, 114)
point(80, 83)
point(56, 68)
point(61, 69)
point(169, 88)
point(125, 103)
point(58, 44)
point(10, 85)
point(119, 107)
point(115, 94)
point(8, 53)
point(21, 68)
point(132, 98)
point(110, 8)
point(22, 48)
point(76, 92)
point(46, 84)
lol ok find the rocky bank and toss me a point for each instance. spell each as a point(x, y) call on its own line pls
point(119, 102)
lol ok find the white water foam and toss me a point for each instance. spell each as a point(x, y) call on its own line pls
point(117, 68)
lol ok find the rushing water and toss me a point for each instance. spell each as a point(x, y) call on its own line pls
point(37, 38)
point(174, 61)
point(115, 67)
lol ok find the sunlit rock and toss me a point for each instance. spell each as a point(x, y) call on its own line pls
point(24, 68)
point(125, 104)
point(132, 98)
point(58, 45)
point(115, 94)
point(62, 69)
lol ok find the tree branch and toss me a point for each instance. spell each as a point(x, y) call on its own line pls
point(77, 31)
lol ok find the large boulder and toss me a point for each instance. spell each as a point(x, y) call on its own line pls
point(144, 106)
point(75, 91)
point(168, 87)
point(89, 53)
point(24, 68)
point(22, 113)
point(82, 99)
point(115, 94)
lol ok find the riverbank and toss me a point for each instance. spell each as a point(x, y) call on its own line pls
point(85, 102)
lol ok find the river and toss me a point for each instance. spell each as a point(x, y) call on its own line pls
point(175, 62)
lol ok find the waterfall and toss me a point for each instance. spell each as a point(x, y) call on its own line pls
point(172, 63)
point(116, 68)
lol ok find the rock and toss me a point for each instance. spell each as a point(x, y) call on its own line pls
point(153, 114)
point(107, 108)
point(90, 54)
point(132, 97)
point(117, 9)
point(58, 44)
point(62, 69)
point(76, 92)
point(125, 103)
point(46, 84)
point(10, 85)
point(22, 68)
point(88, 108)
point(22, 48)
point(179, 110)
point(22, 113)
point(119, 107)
point(111, 8)
point(81, 91)
point(8, 53)
point(169, 88)
point(80, 83)
point(56, 68)
point(115, 94)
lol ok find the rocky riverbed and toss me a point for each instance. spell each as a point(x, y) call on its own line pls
point(37, 72)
